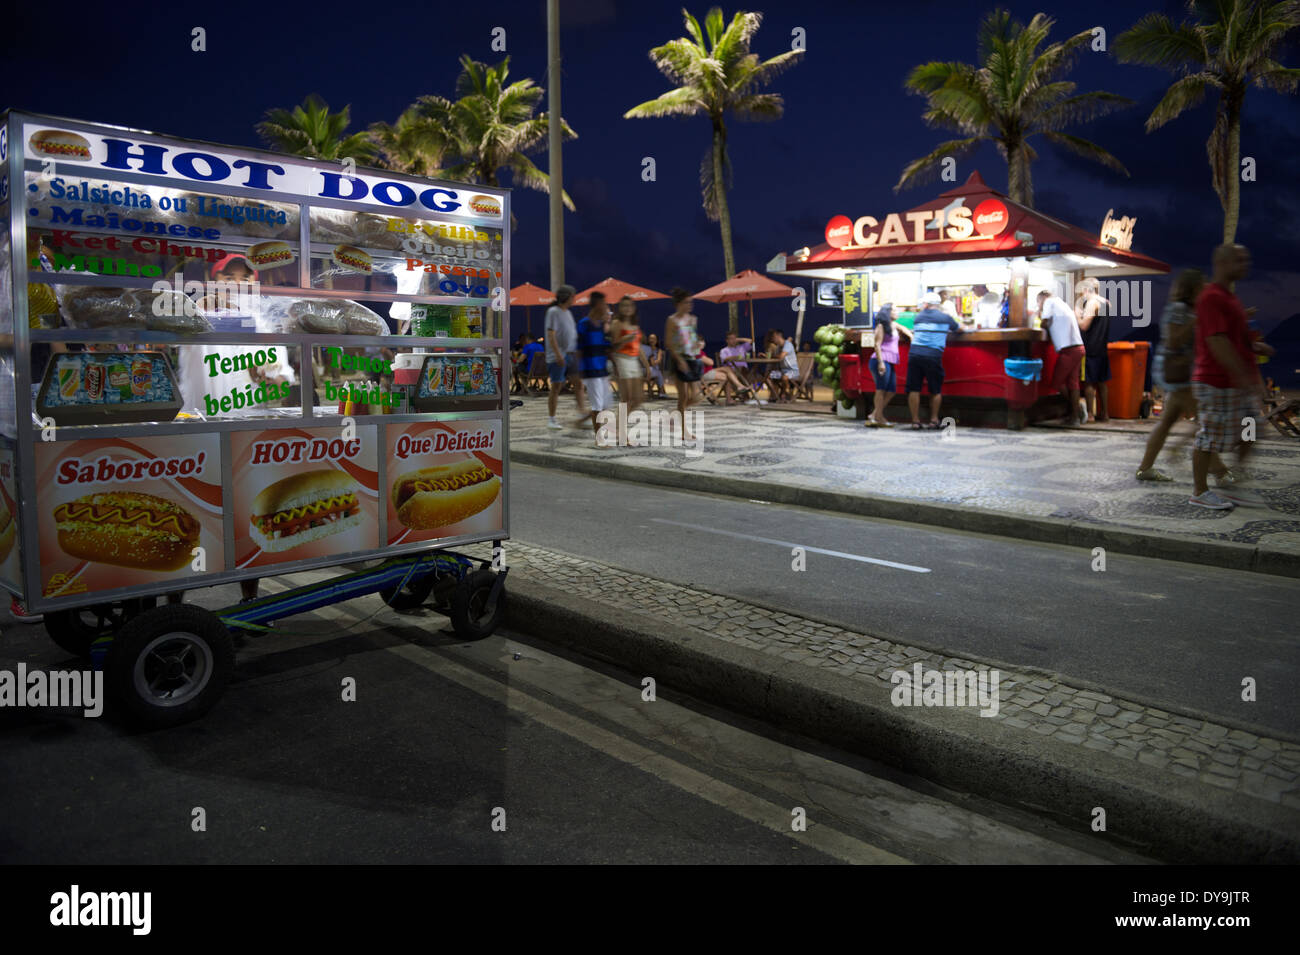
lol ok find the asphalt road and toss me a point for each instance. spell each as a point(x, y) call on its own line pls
point(445, 737)
point(1159, 631)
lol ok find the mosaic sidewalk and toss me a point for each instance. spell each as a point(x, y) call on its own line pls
point(1078, 475)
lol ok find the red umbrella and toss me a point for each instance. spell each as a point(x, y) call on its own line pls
point(745, 287)
point(615, 290)
point(528, 295)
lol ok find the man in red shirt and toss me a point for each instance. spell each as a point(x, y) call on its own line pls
point(1224, 380)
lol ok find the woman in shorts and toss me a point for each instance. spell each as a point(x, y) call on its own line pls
point(884, 361)
point(683, 343)
point(630, 367)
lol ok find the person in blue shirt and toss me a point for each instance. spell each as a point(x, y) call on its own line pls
point(925, 360)
point(526, 363)
point(593, 358)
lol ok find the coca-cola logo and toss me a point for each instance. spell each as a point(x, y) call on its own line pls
point(839, 232)
point(990, 217)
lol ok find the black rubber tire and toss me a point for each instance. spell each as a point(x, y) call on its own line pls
point(412, 595)
point(156, 638)
point(467, 603)
point(75, 630)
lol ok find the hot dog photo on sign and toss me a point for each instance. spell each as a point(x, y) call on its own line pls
point(117, 513)
point(303, 493)
point(444, 480)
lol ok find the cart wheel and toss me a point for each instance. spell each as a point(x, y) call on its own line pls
point(75, 630)
point(468, 611)
point(412, 594)
point(170, 665)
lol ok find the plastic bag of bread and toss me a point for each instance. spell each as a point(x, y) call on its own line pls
point(250, 226)
point(334, 316)
point(94, 306)
point(361, 229)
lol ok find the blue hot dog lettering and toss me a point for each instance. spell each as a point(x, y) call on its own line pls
point(213, 168)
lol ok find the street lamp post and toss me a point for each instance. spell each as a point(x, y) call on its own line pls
point(555, 130)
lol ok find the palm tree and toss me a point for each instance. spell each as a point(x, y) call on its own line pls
point(488, 128)
point(715, 75)
point(1228, 46)
point(1017, 92)
point(312, 130)
point(418, 142)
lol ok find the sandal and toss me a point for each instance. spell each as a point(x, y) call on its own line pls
point(916, 426)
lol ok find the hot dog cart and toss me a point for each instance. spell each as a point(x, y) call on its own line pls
point(979, 246)
point(219, 364)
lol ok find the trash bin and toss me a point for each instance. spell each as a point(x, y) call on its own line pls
point(851, 375)
point(1128, 371)
point(1022, 380)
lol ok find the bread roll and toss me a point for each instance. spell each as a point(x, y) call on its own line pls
point(127, 528)
point(436, 497)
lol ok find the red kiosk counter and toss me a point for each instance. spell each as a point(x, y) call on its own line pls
point(977, 247)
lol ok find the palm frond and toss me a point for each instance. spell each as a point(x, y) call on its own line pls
point(683, 101)
point(1086, 149)
point(1155, 40)
point(926, 169)
point(1183, 94)
point(759, 107)
point(1078, 109)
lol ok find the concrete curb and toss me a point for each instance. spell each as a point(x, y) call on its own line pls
point(1047, 530)
point(1146, 809)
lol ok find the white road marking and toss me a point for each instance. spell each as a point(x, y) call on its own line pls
point(746, 805)
point(812, 550)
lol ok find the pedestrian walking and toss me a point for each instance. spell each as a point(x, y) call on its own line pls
point(1172, 371)
point(1063, 328)
point(925, 359)
point(1225, 379)
point(593, 359)
point(561, 355)
point(683, 341)
point(1093, 313)
point(630, 365)
point(884, 363)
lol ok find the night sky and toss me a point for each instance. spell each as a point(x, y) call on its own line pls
point(848, 130)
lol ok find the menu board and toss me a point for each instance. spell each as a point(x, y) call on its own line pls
point(88, 226)
point(857, 298)
point(424, 257)
point(444, 480)
point(122, 512)
point(303, 493)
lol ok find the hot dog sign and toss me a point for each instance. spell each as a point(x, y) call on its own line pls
point(118, 513)
point(303, 493)
point(116, 154)
point(444, 479)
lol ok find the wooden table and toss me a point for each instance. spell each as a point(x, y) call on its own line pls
point(762, 377)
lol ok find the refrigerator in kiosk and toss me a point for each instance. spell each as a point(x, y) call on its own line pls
point(217, 364)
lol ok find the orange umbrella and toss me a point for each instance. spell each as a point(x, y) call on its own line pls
point(528, 295)
point(745, 287)
point(615, 290)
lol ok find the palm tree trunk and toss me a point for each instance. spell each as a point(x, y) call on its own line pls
point(724, 216)
point(1232, 176)
point(1020, 183)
